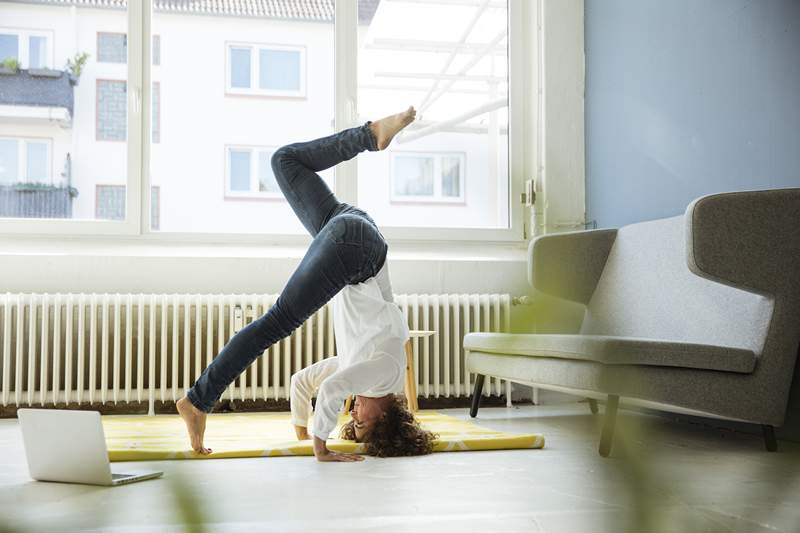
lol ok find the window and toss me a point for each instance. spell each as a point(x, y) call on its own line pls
point(112, 111)
point(113, 48)
point(155, 128)
point(249, 173)
point(421, 177)
point(110, 204)
point(270, 70)
point(30, 47)
point(37, 51)
point(25, 161)
point(456, 76)
point(9, 46)
point(243, 84)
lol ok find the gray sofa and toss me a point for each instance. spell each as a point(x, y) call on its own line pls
point(698, 313)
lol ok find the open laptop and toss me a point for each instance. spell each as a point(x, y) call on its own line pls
point(70, 446)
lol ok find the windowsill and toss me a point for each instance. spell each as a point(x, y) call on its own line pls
point(112, 247)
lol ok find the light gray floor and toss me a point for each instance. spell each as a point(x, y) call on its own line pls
point(687, 477)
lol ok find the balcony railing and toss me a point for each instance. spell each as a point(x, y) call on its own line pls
point(32, 200)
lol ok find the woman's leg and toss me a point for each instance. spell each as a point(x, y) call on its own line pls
point(296, 165)
point(345, 251)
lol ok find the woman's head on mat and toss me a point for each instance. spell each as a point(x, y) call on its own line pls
point(387, 427)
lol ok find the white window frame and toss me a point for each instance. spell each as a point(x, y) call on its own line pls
point(22, 156)
point(255, 66)
point(554, 159)
point(254, 151)
point(23, 36)
point(437, 197)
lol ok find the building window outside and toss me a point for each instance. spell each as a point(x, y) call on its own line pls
point(30, 47)
point(155, 103)
point(113, 48)
point(156, 50)
point(155, 207)
point(428, 177)
point(24, 161)
point(110, 203)
point(249, 173)
point(112, 111)
point(9, 46)
point(269, 70)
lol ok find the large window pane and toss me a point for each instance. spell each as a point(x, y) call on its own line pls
point(64, 147)
point(37, 162)
point(279, 69)
point(240, 170)
point(9, 155)
point(413, 176)
point(233, 89)
point(9, 47)
point(451, 176)
point(37, 52)
point(266, 178)
point(456, 75)
point(240, 68)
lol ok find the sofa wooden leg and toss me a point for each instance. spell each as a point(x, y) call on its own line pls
point(607, 435)
point(769, 438)
point(593, 405)
point(476, 395)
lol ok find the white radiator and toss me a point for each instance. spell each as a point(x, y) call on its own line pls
point(87, 348)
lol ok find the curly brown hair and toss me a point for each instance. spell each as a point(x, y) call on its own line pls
point(396, 434)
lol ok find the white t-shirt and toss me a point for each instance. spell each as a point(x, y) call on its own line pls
point(370, 335)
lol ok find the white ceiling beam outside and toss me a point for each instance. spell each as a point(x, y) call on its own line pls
point(454, 121)
point(419, 88)
point(474, 61)
point(463, 39)
point(499, 4)
point(417, 45)
point(434, 76)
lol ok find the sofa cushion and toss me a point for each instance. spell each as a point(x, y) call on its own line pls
point(615, 350)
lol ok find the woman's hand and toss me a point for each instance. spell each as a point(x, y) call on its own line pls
point(323, 454)
point(301, 432)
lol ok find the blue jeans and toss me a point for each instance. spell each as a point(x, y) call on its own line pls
point(347, 249)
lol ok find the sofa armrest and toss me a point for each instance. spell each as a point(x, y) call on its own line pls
point(749, 240)
point(569, 265)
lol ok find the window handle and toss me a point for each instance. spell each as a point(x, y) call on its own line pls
point(137, 100)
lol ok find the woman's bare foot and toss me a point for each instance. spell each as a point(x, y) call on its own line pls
point(386, 128)
point(195, 423)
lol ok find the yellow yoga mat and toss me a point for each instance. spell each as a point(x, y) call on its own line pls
point(141, 438)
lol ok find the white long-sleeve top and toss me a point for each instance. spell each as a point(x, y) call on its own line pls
point(370, 337)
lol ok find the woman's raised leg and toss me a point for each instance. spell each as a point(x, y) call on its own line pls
point(296, 165)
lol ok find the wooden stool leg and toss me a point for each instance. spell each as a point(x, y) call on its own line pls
point(347, 404)
point(411, 385)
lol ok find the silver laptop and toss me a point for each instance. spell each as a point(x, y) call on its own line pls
point(70, 446)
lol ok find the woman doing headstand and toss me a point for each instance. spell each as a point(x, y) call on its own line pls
point(346, 262)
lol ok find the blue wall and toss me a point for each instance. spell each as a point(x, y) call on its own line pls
point(688, 97)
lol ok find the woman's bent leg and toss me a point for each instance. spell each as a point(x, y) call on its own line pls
point(329, 264)
point(296, 165)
